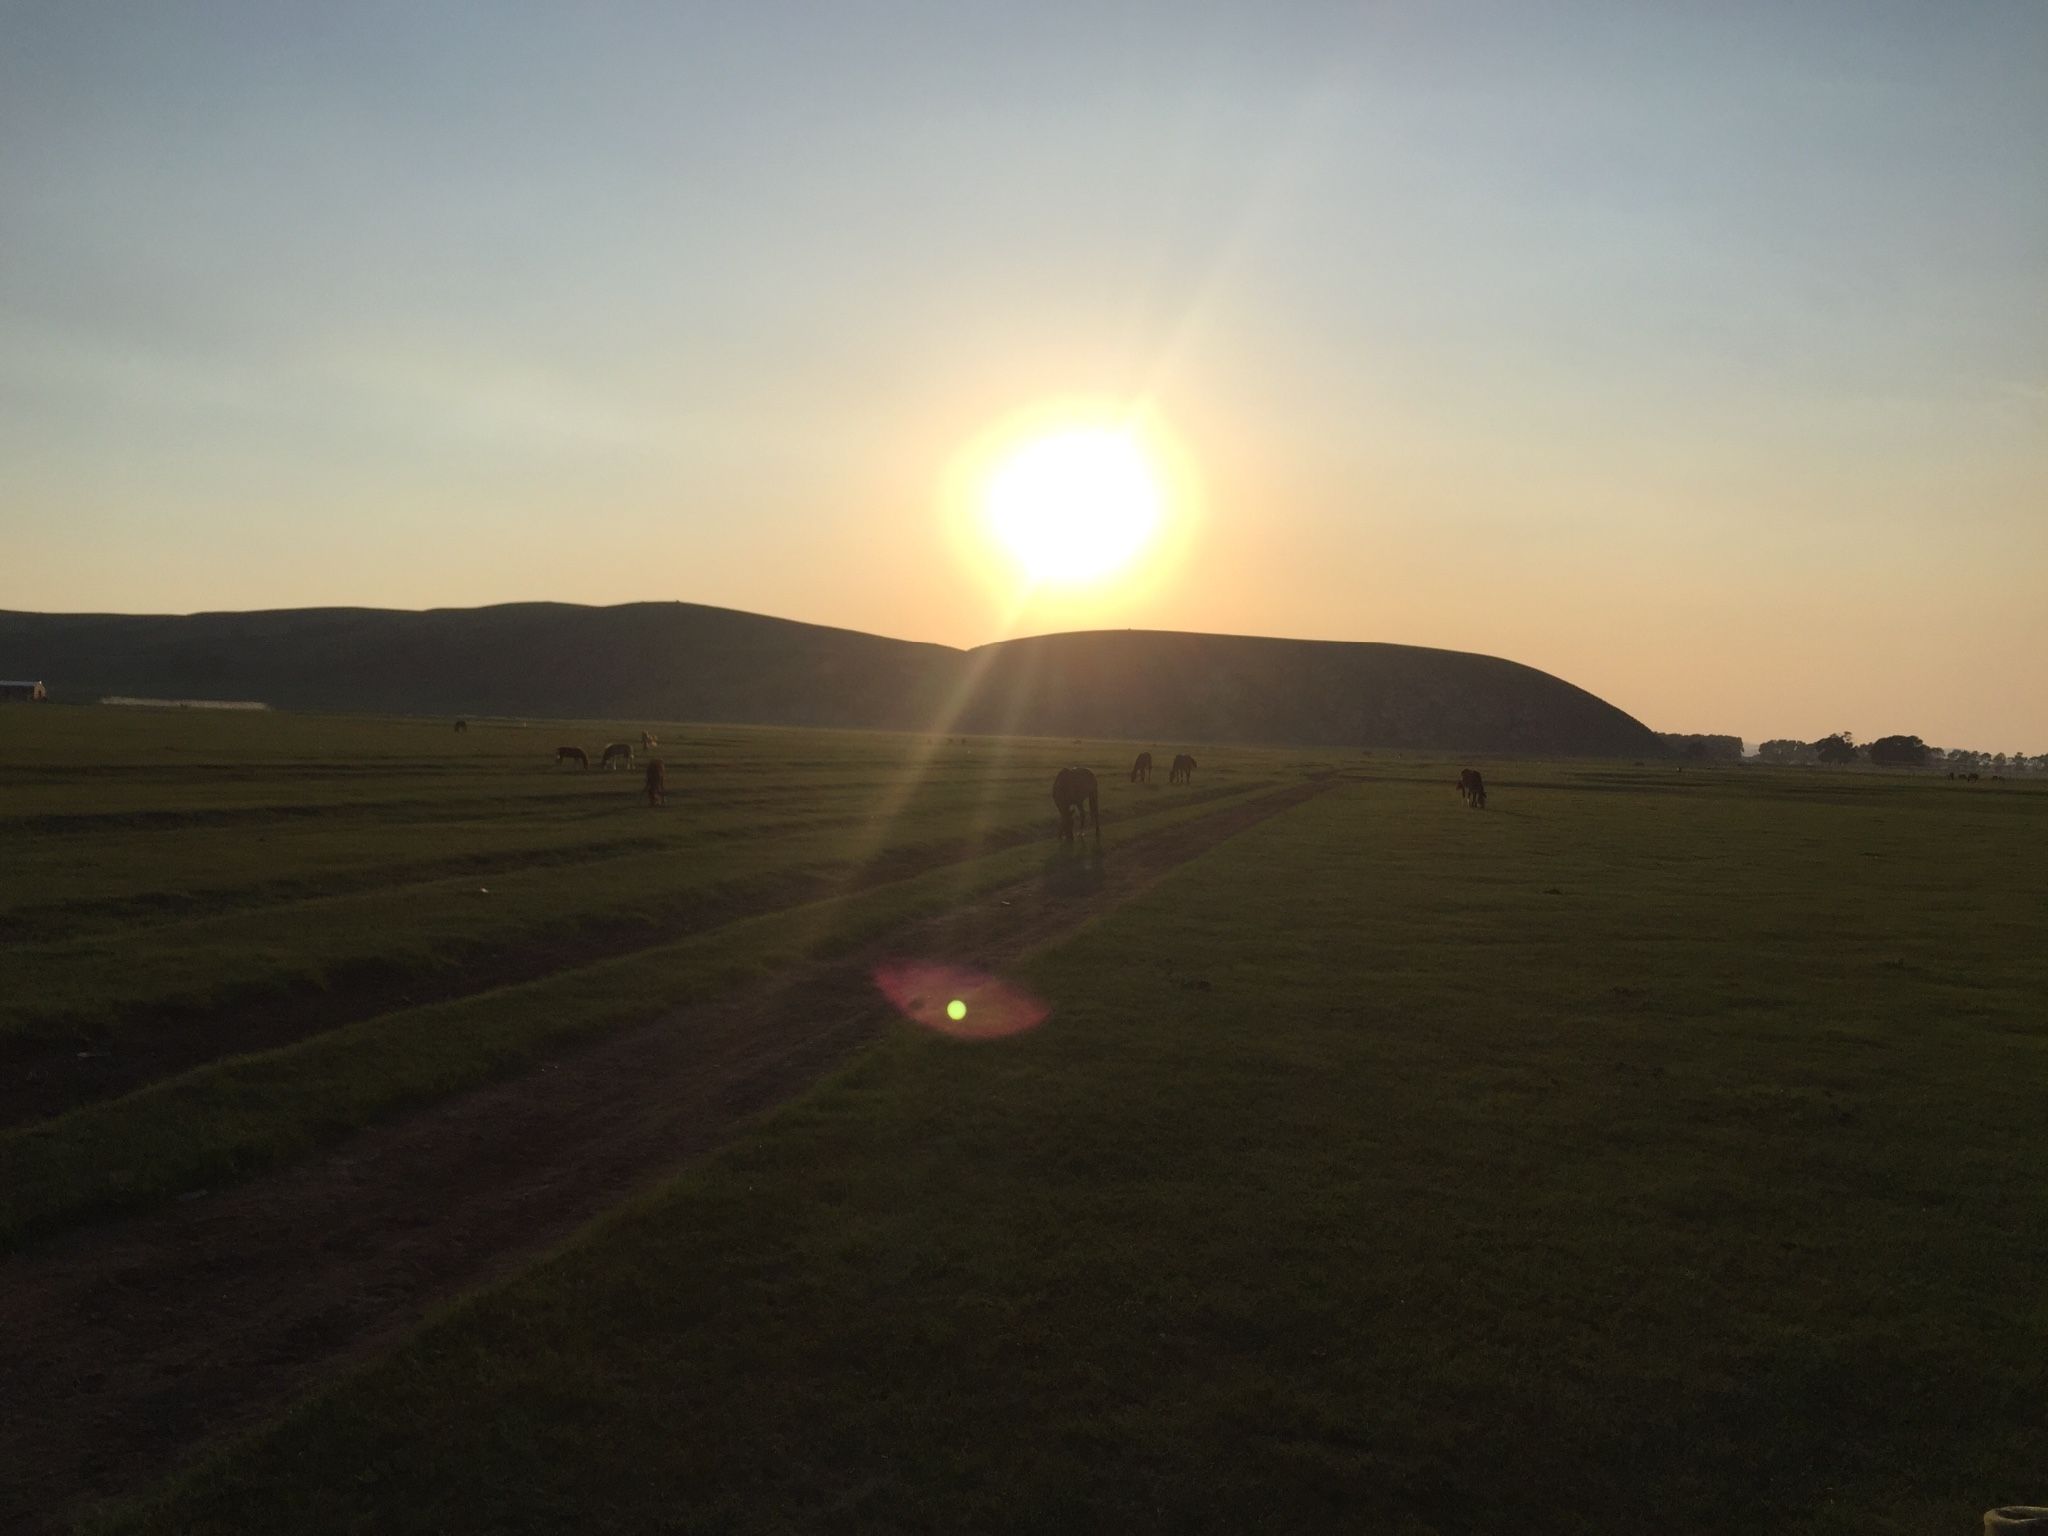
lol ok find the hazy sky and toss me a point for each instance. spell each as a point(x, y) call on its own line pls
point(1697, 353)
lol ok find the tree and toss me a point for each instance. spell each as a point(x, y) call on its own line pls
point(1838, 748)
point(1784, 749)
point(1702, 748)
point(1898, 752)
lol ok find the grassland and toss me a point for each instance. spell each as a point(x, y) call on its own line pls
point(258, 863)
point(230, 939)
point(1651, 1149)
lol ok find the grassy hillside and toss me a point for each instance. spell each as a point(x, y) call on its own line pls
point(1172, 686)
point(682, 661)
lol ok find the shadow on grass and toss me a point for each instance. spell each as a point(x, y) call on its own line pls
point(1073, 872)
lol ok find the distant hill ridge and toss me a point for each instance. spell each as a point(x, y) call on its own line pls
point(684, 661)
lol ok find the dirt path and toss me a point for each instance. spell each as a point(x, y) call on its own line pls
point(41, 1077)
point(125, 1349)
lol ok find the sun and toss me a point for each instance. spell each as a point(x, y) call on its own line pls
point(1074, 506)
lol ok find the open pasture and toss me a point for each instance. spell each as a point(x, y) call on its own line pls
point(1650, 1141)
point(348, 898)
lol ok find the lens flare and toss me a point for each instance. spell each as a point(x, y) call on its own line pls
point(959, 1001)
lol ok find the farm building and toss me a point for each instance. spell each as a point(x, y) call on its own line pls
point(22, 693)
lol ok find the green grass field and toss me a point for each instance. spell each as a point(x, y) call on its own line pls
point(232, 938)
point(1652, 1150)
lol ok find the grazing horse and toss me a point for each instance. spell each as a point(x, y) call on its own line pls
point(620, 752)
point(571, 755)
point(1141, 770)
point(1183, 770)
point(656, 782)
point(1472, 789)
point(1073, 789)
point(647, 742)
point(461, 726)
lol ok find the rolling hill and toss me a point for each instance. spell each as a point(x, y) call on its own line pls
point(684, 661)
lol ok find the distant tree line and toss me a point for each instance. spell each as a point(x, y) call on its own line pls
point(1697, 748)
point(1841, 749)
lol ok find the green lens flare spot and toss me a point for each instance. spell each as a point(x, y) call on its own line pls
point(956, 1010)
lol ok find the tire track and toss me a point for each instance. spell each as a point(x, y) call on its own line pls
point(46, 1073)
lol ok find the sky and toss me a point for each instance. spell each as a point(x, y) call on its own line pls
point(1696, 354)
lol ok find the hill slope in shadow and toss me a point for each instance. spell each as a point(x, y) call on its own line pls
point(684, 661)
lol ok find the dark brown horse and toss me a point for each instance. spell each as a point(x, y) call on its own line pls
point(1073, 789)
point(618, 751)
point(571, 755)
point(461, 726)
point(1473, 789)
point(656, 782)
point(1183, 770)
point(1141, 770)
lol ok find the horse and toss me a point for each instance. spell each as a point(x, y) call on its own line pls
point(618, 751)
point(1073, 789)
point(656, 782)
point(1141, 770)
point(461, 726)
point(1183, 770)
point(1472, 789)
point(647, 742)
point(571, 755)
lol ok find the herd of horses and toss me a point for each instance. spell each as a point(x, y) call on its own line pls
point(1074, 791)
point(654, 779)
point(1182, 771)
point(1075, 794)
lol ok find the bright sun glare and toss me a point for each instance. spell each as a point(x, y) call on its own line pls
point(1075, 505)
